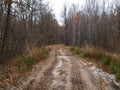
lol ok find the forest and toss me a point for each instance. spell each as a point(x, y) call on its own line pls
point(39, 52)
point(26, 23)
point(96, 24)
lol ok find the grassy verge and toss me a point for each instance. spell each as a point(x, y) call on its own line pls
point(35, 55)
point(74, 51)
point(10, 72)
point(103, 59)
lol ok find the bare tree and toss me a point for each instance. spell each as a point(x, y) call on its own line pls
point(95, 26)
point(64, 15)
point(24, 24)
point(6, 33)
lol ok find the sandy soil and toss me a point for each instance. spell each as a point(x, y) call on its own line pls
point(63, 71)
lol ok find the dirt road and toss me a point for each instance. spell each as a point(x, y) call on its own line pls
point(63, 71)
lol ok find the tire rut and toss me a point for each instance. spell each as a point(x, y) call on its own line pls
point(45, 79)
point(59, 73)
point(77, 83)
point(63, 72)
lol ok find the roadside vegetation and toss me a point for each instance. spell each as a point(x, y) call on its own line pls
point(10, 72)
point(108, 62)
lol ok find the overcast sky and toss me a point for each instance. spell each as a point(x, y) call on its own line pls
point(57, 6)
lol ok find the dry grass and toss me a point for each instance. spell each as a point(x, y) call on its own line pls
point(39, 53)
point(10, 72)
point(107, 61)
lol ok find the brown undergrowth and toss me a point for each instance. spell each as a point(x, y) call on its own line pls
point(107, 61)
point(10, 72)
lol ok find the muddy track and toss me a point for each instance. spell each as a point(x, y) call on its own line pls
point(42, 78)
point(77, 83)
point(84, 78)
point(63, 71)
point(60, 73)
point(46, 79)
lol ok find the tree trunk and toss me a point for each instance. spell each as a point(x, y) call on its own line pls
point(5, 37)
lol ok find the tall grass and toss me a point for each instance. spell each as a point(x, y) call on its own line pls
point(105, 59)
point(117, 75)
point(114, 67)
point(34, 55)
point(74, 51)
point(85, 54)
point(26, 63)
point(39, 53)
point(11, 72)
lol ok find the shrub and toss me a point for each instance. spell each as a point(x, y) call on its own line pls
point(101, 55)
point(82, 54)
point(114, 67)
point(118, 50)
point(85, 54)
point(95, 54)
point(106, 60)
point(39, 54)
point(26, 63)
point(74, 51)
point(44, 52)
point(35, 55)
point(117, 75)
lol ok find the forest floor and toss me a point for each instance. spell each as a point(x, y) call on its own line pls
point(63, 71)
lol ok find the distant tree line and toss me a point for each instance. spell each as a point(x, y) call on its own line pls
point(24, 23)
point(96, 24)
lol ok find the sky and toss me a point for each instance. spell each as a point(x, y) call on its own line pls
point(57, 6)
